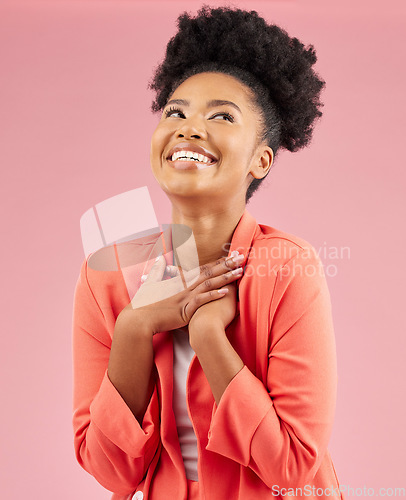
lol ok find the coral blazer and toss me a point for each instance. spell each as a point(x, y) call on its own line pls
point(269, 434)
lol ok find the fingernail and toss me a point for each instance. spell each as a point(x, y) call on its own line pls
point(238, 258)
point(144, 277)
point(234, 253)
point(223, 290)
point(237, 271)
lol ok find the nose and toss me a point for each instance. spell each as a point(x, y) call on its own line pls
point(192, 127)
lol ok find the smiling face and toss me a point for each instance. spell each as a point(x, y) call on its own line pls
point(206, 143)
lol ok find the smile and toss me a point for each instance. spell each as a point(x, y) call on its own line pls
point(188, 160)
point(188, 156)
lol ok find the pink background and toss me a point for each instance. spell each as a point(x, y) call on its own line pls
point(75, 130)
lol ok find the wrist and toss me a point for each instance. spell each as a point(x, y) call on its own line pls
point(202, 333)
point(135, 323)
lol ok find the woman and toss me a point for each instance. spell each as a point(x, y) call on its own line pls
point(218, 380)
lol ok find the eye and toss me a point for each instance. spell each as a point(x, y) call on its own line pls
point(225, 116)
point(173, 111)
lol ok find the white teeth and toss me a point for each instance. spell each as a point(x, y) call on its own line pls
point(190, 155)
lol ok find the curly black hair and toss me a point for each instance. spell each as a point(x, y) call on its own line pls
point(276, 67)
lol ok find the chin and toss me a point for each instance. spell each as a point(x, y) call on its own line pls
point(184, 190)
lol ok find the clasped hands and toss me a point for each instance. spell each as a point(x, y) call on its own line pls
point(202, 298)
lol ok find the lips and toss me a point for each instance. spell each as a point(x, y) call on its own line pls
point(190, 164)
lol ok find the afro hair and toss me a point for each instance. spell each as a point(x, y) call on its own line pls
point(276, 67)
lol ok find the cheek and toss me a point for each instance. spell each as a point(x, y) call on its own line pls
point(160, 139)
point(156, 141)
point(156, 151)
point(237, 148)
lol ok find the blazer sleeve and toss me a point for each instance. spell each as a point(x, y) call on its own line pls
point(281, 429)
point(109, 442)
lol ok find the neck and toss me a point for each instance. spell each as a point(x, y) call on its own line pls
point(212, 229)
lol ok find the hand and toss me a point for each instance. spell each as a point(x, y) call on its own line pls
point(207, 337)
point(214, 316)
point(166, 305)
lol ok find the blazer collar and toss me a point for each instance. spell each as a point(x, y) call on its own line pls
point(243, 235)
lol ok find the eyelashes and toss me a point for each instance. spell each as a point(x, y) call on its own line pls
point(172, 110)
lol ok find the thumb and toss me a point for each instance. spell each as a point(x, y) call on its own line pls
point(157, 270)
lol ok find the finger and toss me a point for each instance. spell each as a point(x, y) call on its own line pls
point(200, 299)
point(217, 282)
point(199, 274)
point(157, 270)
point(194, 277)
point(218, 268)
point(234, 260)
point(222, 265)
point(229, 258)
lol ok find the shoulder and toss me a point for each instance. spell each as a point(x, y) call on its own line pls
point(286, 268)
point(281, 247)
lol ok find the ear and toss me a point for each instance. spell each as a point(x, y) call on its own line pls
point(263, 162)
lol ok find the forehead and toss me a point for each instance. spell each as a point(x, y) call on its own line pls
point(207, 86)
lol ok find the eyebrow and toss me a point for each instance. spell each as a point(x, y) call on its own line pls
point(211, 104)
